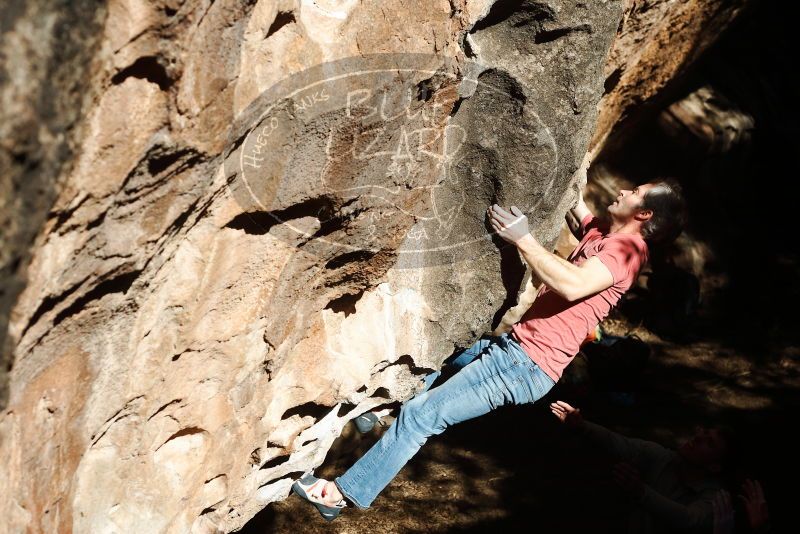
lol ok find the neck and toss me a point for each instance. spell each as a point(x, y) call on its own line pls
point(630, 227)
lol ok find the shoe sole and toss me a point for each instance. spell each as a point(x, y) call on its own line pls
point(366, 422)
point(329, 513)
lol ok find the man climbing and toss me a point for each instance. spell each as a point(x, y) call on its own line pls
point(523, 365)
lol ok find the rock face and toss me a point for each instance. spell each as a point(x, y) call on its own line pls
point(658, 43)
point(38, 133)
point(207, 304)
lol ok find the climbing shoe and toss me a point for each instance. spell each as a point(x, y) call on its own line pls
point(310, 488)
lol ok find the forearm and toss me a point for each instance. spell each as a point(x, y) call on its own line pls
point(619, 446)
point(580, 210)
point(574, 225)
point(556, 273)
point(638, 451)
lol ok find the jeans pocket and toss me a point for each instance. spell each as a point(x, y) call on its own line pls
point(544, 382)
point(498, 399)
point(522, 389)
point(538, 382)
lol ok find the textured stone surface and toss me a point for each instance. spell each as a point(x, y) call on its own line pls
point(178, 358)
point(659, 41)
point(42, 44)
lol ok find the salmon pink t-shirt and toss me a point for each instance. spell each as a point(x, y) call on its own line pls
point(552, 329)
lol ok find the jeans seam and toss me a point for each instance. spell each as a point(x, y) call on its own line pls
point(452, 396)
point(475, 385)
point(348, 497)
point(539, 381)
point(510, 363)
point(364, 472)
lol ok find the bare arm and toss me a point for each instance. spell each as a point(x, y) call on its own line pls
point(637, 451)
point(642, 455)
point(576, 214)
point(579, 211)
point(574, 225)
point(570, 281)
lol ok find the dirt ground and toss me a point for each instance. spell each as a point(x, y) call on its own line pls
point(518, 470)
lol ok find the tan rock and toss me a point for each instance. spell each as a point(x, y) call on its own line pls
point(658, 42)
point(191, 339)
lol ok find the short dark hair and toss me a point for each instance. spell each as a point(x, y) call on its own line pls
point(669, 211)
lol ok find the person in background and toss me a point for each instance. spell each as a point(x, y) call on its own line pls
point(672, 490)
point(755, 510)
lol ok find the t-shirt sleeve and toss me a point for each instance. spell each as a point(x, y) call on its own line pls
point(623, 256)
point(588, 222)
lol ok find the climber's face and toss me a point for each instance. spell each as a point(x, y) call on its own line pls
point(628, 205)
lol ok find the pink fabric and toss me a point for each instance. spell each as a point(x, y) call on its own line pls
point(553, 328)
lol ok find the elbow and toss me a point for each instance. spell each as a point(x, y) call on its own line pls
point(571, 293)
point(580, 288)
point(570, 296)
point(572, 285)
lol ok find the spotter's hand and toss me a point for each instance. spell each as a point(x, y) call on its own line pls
point(510, 225)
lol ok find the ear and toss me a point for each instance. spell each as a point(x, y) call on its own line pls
point(643, 215)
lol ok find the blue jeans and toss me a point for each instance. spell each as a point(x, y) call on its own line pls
point(494, 371)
